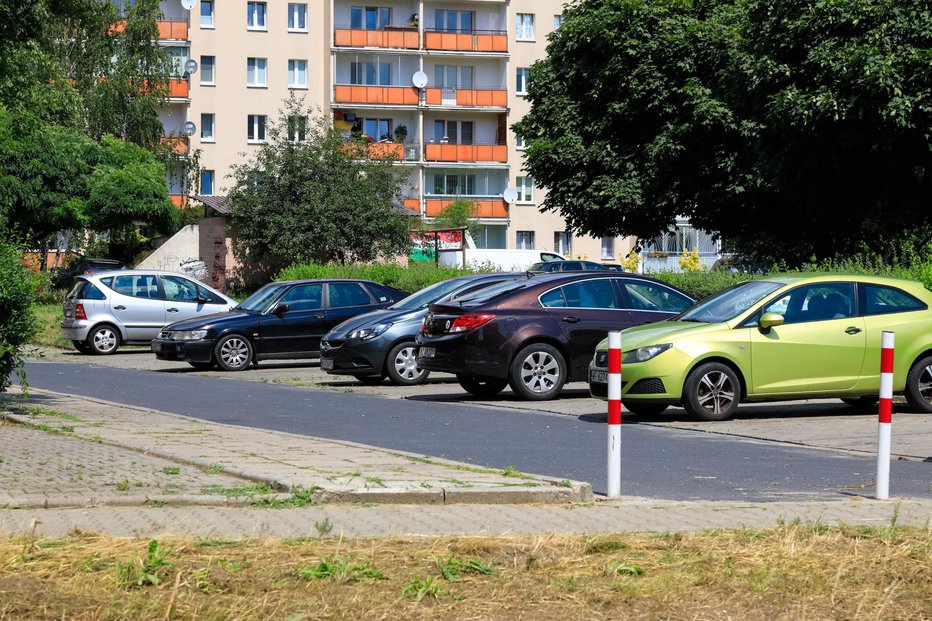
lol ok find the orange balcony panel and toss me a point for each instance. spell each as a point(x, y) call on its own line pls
point(389, 95)
point(496, 208)
point(413, 204)
point(180, 200)
point(178, 88)
point(401, 38)
point(173, 30)
point(434, 96)
point(394, 150)
point(466, 153)
point(472, 42)
point(179, 144)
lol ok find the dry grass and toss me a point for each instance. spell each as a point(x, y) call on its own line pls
point(790, 572)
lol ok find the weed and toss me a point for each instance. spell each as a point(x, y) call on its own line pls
point(375, 481)
point(300, 497)
point(145, 572)
point(452, 567)
point(216, 543)
point(336, 568)
point(510, 471)
point(171, 470)
point(419, 588)
point(123, 485)
point(323, 527)
point(215, 469)
point(620, 568)
point(564, 483)
point(603, 545)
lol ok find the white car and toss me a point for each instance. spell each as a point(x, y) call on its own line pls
point(105, 310)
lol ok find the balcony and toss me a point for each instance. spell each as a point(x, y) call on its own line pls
point(168, 30)
point(485, 208)
point(179, 200)
point(178, 89)
point(473, 41)
point(445, 152)
point(377, 95)
point(394, 37)
point(467, 97)
point(178, 144)
point(398, 151)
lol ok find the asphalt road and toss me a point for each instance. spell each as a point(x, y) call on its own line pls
point(657, 462)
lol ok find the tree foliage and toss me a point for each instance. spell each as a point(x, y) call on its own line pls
point(17, 322)
point(795, 129)
point(318, 199)
point(460, 213)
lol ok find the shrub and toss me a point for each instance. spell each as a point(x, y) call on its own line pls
point(19, 282)
point(414, 277)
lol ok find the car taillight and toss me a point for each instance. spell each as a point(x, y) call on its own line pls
point(79, 312)
point(465, 323)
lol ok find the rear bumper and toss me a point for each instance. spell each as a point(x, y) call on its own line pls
point(460, 357)
point(195, 351)
point(75, 331)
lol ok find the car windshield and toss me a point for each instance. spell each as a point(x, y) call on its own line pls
point(428, 295)
point(260, 301)
point(729, 303)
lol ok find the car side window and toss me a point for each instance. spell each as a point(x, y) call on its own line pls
point(85, 290)
point(880, 300)
point(304, 297)
point(596, 293)
point(817, 302)
point(653, 297)
point(179, 290)
point(553, 299)
point(137, 286)
point(344, 294)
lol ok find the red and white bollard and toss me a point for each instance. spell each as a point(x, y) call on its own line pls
point(886, 416)
point(614, 414)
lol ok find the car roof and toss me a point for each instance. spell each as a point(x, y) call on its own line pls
point(134, 272)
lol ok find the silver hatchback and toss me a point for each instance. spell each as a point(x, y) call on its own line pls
point(107, 309)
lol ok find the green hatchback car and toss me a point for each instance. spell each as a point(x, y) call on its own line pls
point(787, 337)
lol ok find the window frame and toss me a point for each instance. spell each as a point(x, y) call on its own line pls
point(524, 28)
point(524, 240)
point(292, 73)
point(522, 80)
point(212, 124)
point(253, 15)
point(254, 123)
point(210, 174)
point(525, 188)
point(255, 61)
point(294, 11)
point(213, 70)
point(204, 4)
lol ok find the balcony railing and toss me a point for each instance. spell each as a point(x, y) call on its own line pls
point(178, 89)
point(178, 144)
point(474, 41)
point(398, 151)
point(180, 200)
point(168, 29)
point(467, 97)
point(398, 37)
point(485, 208)
point(446, 152)
point(388, 95)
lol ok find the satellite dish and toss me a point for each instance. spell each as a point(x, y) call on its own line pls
point(190, 66)
point(510, 195)
point(419, 79)
point(188, 4)
point(189, 128)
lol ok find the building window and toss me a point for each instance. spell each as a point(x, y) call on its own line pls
point(608, 247)
point(377, 129)
point(207, 70)
point(255, 15)
point(454, 21)
point(524, 27)
point(297, 16)
point(562, 243)
point(207, 13)
point(371, 73)
point(297, 128)
point(525, 190)
point(255, 72)
point(453, 76)
point(557, 21)
point(519, 142)
point(207, 182)
point(456, 132)
point(297, 74)
point(455, 185)
point(255, 128)
point(370, 17)
point(524, 240)
point(207, 126)
point(523, 79)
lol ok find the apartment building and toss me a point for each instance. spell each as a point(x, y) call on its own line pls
point(436, 85)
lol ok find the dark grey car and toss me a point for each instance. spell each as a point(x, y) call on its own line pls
point(381, 343)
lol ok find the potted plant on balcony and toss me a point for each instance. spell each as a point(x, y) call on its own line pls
point(401, 132)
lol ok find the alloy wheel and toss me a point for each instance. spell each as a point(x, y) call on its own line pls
point(540, 372)
point(235, 352)
point(104, 340)
point(715, 392)
point(925, 384)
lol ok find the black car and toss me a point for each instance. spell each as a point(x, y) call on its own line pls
point(279, 321)
point(539, 333)
point(64, 277)
point(381, 343)
point(567, 266)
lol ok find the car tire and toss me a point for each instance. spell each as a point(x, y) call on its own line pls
point(201, 366)
point(82, 347)
point(370, 380)
point(538, 372)
point(918, 391)
point(103, 340)
point(233, 352)
point(712, 392)
point(482, 386)
point(401, 366)
point(861, 403)
point(645, 409)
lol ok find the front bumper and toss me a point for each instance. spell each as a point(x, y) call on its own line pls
point(354, 357)
point(194, 351)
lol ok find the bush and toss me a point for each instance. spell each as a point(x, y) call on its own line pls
point(414, 277)
point(19, 283)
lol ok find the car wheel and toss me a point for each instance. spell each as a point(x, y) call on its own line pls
point(233, 352)
point(482, 386)
point(919, 385)
point(712, 392)
point(538, 372)
point(401, 366)
point(370, 380)
point(861, 403)
point(81, 346)
point(645, 409)
point(203, 366)
point(103, 340)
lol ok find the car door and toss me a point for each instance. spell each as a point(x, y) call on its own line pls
point(819, 348)
point(136, 303)
point(345, 300)
point(185, 299)
point(891, 309)
point(293, 326)
point(651, 301)
point(585, 310)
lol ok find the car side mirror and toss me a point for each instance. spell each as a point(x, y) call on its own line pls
point(769, 320)
point(201, 299)
point(280, 309)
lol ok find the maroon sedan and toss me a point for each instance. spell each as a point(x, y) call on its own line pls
point(538, 333)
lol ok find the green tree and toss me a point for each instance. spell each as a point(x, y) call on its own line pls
point(795, 129)
point(461, 213)
point(17, 323)
point(317, 198)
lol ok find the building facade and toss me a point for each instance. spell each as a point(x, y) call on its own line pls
point(435, 85)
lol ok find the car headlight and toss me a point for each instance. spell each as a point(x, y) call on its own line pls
point(189, 335)
point(643, 354)
point(365, 334)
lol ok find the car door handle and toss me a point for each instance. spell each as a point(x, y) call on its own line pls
point(852, 330)
point(172, 310)
point(318, 316)
point(119, 307)
point(571, 319)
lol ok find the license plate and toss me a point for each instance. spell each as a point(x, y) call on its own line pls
point(326, 363)
point(156, 347)
point(427, 352)
point(598, 377)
